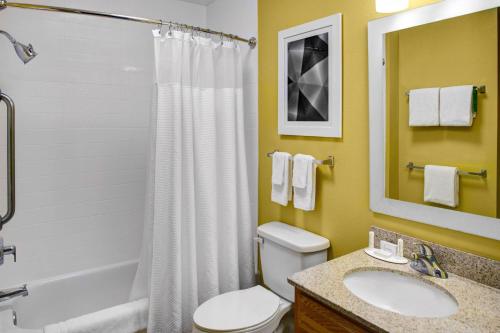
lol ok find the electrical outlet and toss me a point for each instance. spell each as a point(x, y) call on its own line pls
point(389, 247)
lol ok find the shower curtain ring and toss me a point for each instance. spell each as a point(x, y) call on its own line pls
point(160, 27)
point(169, 29)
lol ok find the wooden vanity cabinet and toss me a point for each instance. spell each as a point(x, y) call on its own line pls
point(312, 316)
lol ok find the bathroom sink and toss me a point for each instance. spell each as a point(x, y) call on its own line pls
point(402, 294)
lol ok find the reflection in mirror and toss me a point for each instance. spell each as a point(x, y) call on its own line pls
point(454, 52)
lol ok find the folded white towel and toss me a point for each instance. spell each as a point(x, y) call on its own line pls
point(300, 167)
point(424, 107)
point(281, 191)
point(456, 106)
point(279, 161)
point(125, 318)
point(441, 185)
point(304, 182)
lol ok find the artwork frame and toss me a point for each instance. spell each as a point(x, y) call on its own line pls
point(310, 78)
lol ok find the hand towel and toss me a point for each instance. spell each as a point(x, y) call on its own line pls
point(456, 106)
point(281, 191)
point(125, 318)
point(441, 185)
point(300, 167)
point(304, 182)
point(424, 107)
point(279, 161)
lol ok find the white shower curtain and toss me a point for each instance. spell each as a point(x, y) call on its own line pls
point(198, 226)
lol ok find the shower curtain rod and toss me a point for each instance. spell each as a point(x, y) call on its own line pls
point(252, 42)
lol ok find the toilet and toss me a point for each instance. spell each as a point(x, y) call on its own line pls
point(284, 250)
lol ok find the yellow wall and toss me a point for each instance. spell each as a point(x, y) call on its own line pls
point(392, 118)
point(342, 212)
point(458, 51)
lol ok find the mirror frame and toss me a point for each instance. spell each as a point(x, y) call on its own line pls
point(484, 226)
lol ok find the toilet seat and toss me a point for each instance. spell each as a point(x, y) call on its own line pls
point(237, 310)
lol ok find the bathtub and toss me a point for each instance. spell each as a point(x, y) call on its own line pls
point(81, 297)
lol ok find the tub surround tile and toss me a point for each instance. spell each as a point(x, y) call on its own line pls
point(478, 303)
point(82, 128)
point(473, 267)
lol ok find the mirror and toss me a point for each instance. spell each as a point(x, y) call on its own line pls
point(448, 44)
point(452, 52)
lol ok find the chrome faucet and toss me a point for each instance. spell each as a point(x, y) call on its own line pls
point(425, 262)
point(13, 293)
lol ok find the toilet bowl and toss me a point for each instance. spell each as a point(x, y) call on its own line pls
point(250, 310)
point(284, 250)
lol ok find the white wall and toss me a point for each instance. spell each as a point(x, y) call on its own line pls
point(82, 117)
point(82, 125)
point(240, 17)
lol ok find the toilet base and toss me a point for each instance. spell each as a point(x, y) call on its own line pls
point(281, 322)
point(287, 324)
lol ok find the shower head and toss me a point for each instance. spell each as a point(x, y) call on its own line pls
point(25, 52)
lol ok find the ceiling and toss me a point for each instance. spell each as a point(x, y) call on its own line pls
point(200, 2)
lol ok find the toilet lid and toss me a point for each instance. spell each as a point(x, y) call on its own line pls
point(237, 310)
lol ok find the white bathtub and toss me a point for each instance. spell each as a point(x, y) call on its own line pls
point(104, 291)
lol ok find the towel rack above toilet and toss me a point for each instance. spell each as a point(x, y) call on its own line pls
point(482, 173)
point(329, 161)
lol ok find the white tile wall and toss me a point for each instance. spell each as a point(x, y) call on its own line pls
point(82, 117)
point(240, 17)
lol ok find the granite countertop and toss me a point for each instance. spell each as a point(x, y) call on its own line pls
point(478, 304)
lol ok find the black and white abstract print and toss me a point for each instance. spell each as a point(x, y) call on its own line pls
point(308, 79)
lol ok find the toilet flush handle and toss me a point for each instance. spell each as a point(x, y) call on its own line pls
point(256, 241)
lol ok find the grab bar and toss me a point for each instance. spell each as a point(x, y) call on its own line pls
point(11, 162)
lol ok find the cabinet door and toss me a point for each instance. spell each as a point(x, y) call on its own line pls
point(314, 317)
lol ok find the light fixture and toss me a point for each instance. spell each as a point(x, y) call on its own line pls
point(391, 6)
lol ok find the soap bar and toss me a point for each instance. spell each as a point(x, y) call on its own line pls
point(385, 256)
point(383, 253)
point(388, 246)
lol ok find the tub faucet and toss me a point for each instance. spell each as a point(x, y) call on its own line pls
point(425, 262)
point(7, 294)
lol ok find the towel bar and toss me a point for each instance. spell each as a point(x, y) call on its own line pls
point(483, 173)
point(480, 90)
point(329, 161)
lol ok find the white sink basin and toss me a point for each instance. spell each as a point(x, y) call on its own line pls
point(401, 294)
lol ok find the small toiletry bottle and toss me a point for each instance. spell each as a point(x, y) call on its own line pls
point(400, 248)
point(371, 239)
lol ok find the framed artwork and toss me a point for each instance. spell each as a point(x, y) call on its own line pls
point(310, 78)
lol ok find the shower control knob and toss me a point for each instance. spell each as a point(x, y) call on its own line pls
point(7, 250)
point(10, 250)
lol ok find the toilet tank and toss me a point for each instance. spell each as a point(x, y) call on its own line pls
point(285, 250)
